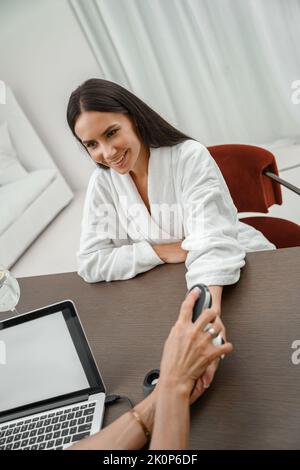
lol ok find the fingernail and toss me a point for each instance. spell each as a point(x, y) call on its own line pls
point(206, 386)
point(197, 290)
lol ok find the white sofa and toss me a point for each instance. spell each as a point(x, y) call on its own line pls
point(32, 190)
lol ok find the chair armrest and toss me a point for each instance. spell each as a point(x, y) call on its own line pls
point(283, 182)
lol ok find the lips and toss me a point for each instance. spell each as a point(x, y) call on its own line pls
point(120, 160)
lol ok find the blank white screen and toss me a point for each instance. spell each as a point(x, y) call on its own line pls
point(41, 362)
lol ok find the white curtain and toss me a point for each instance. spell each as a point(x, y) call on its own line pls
point(219, 70)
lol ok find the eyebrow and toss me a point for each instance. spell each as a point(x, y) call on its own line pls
point(109, 127)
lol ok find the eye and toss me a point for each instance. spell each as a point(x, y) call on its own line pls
point(112, 132)
point(90, 145)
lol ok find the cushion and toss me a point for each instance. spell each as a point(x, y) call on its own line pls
point(17, 196)
point(6, 145)
point(10, 168)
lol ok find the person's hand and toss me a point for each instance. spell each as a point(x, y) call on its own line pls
point(170, 252)
point(188, 350)
point(209, 374)
point(204, 382)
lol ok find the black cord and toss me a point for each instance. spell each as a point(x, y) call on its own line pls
point(111, 399)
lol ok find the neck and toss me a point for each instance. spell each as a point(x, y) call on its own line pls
point(140, 169)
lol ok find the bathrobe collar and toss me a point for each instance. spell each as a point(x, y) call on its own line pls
point(140, 223)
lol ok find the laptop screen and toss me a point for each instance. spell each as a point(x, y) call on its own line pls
point(47, 356)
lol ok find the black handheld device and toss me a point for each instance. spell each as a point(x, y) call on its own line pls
point(203, 302)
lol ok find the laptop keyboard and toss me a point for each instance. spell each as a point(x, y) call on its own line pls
point(51, 430)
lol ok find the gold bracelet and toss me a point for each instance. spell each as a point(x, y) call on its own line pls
point(142, 424)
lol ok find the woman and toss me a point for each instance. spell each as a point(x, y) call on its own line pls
point(157, 196)
point(164, 415)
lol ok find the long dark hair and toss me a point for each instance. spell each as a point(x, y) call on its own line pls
point(105, 96)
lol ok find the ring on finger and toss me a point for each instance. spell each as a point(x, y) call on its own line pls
point(212, 332)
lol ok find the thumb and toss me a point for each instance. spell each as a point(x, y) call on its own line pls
point(197, 391)
point(208, 375)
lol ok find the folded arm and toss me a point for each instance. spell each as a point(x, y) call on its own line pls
point(99, 257)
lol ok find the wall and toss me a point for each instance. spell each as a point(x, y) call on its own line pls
point(43, 57)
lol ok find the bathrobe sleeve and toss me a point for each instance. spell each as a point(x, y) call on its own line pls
point(102, 256)
point(210, 220)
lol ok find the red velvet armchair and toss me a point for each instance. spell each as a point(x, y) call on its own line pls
point(252, 177)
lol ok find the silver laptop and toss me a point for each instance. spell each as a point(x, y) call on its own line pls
point(51, 392)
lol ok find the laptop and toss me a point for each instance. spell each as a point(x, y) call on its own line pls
point(51, 392)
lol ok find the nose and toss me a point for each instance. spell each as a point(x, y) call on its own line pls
point(104, 152)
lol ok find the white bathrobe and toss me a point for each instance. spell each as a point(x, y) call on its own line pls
point(189, 201)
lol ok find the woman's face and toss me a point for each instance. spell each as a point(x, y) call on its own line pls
point(110, 139)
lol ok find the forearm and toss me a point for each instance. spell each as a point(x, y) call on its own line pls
point(116, 263)
point(172, 417)
point(125, 433)
point(170, 252)
point(216, 294)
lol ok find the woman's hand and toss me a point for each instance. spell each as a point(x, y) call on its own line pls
point(170, 252)
point(204, 382)
point(216, 293)
point(209, 374)
point(189, 351)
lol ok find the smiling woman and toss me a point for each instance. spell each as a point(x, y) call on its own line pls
point(145, 163)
